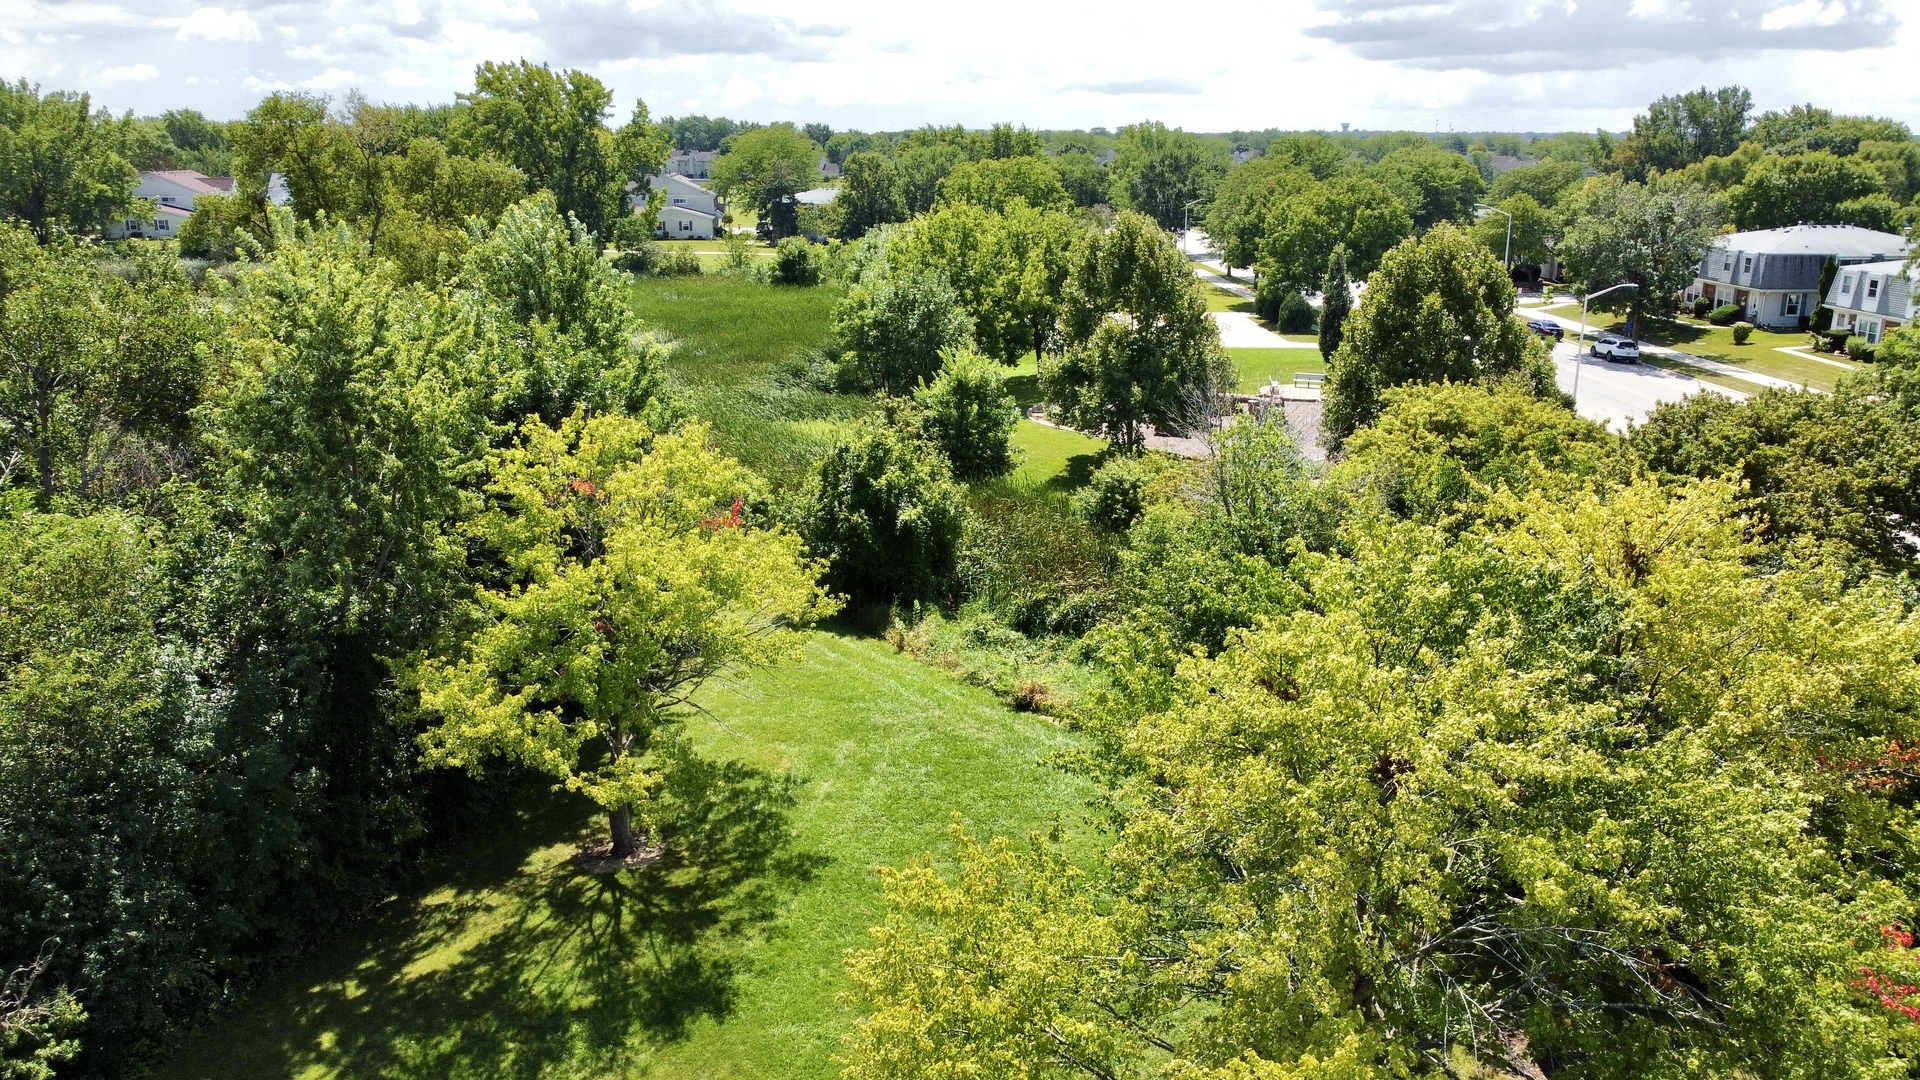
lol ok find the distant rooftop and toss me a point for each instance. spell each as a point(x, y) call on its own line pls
point(198, 182)
point(819, 196)
point(1840, 241)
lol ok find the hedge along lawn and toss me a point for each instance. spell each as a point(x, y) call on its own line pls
point(1257, 366)
point(506, 962)
point(733, 338)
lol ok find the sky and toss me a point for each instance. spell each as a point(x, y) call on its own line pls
point(1422, 65)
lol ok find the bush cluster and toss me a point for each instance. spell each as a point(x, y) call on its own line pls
point(1725, 314)
point(1741, 332)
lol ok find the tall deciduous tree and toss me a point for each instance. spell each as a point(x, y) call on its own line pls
point(91, 361)
point(1530, 234)
point(1439, 309)
point(636, 578)
point(870, 194)
point(1436, 185)
point(1652, 235)
point(1303, 229)
point(1142, 349)
point(968, 412)
point(1237, 217)
point(1158, 171)
point(1817, 188)
point(997, 183)
point(766, 168)
point(62, 166)
point(552, 127)
point(1680, 129)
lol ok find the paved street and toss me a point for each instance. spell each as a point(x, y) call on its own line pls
point(1621, 394)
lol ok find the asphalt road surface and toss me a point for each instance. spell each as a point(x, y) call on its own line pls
point(1618, 394)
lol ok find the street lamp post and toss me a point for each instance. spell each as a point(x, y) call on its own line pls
point(1506, 257)
point(1578, 342)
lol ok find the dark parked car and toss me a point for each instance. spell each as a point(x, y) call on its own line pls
point(1546, 328)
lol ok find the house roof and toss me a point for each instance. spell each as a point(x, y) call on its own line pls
point(819, 196)
point(1840, 241)
point(172, 211)
point(197, 182)
point(1892, 267)
point(689, 211)
point(693, 155)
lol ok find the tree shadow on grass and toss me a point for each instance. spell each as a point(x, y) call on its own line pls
point(553, 971)
point(1078, 472)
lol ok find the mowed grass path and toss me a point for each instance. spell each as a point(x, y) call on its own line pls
point(508, 963)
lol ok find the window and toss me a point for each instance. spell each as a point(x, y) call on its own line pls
point(686, 226)
point(679, 202)
point(1872, 330)
point(1746, 265)
point(1726, 261)
point(1846, 284)
point(1873, 288)
point(1790, 305)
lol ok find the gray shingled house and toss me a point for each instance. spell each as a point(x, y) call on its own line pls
point(1873, 298)
point(1775, 273)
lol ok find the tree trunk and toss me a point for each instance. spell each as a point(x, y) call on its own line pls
point(624, 843)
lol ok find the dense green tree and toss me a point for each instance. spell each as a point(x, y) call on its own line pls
point(1810, 188)
point(883, 509)
point(635, 577)
point(1680, 129)
point(1041, 246)
point(968, 246)
point(1531, 234)
point(701, 132)
point(1805, 128)
point(1652, 235)
point(1303, 229)
point(870, 194)
point(289, 134)
point(1545, 182)
point(1161, 172)
point(765, 169)
point(845, 144)
point(1433, 184)
point(1842, 467)
point(1237, 217)
point(1141, 348)
point(968, 412)
point(101, 371)
point(1007, 141)
point(1316, 153)
point(571, 341)
point(922, 167)
point(1898, 164)
point(894, 324)
point(1463, 805)
point(1336, 303)
point(61, 163)
point(997, 183)
point(1439, 309)
point(552, 127)
point(1084, 177)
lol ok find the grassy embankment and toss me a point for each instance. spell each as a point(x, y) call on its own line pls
point(502, 961)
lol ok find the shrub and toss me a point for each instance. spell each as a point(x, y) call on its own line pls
point(1295, 315)
point(1859, 349)
point(653, 259)
point(1027, 559)
point(1831, 340)
point(1741, 332)
point(969, 414)
point(1119, 491)
point(1725, 314)
point(883, 509)
point(797, 261)
point(1701, 307)
point(893, 327)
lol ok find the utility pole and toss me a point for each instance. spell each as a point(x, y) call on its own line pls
point(1579, 343)
point(1506, 258)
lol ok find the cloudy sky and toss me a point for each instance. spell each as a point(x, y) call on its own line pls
point(1534, 65)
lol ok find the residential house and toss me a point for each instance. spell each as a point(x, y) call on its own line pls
point(689, 211)
point(162, 224)
point(828, 169)
point(1775, 273)
point(1872, 298)
point(697, 164)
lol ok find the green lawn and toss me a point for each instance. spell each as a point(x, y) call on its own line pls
point(1054, 457)
point(1757, 355)
point(1219, 299)
point(1259, 365)
point(505, 962)
point(735, 365)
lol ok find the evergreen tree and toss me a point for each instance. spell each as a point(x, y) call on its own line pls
point(1336, 302)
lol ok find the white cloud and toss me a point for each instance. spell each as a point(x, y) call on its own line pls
point(1804, 13)
point(403, 77)
point(740, 90)
point(1667, 11)
point(331, 79)
point(131, 73)
point(216, 24)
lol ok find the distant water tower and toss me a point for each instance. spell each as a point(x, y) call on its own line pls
point(1343, 127)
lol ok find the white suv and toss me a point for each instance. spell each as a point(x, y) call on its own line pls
point(1615, 347)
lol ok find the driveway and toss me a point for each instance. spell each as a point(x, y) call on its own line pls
point(1621, 394)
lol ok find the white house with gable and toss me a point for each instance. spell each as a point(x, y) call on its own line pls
point(688, 210)
point(1872, 299)
point(1775, 273)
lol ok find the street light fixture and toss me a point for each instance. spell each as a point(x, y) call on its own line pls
point(1506, 257)
point(1577, 343)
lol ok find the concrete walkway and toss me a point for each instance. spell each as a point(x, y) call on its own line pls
point(1239, 330)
